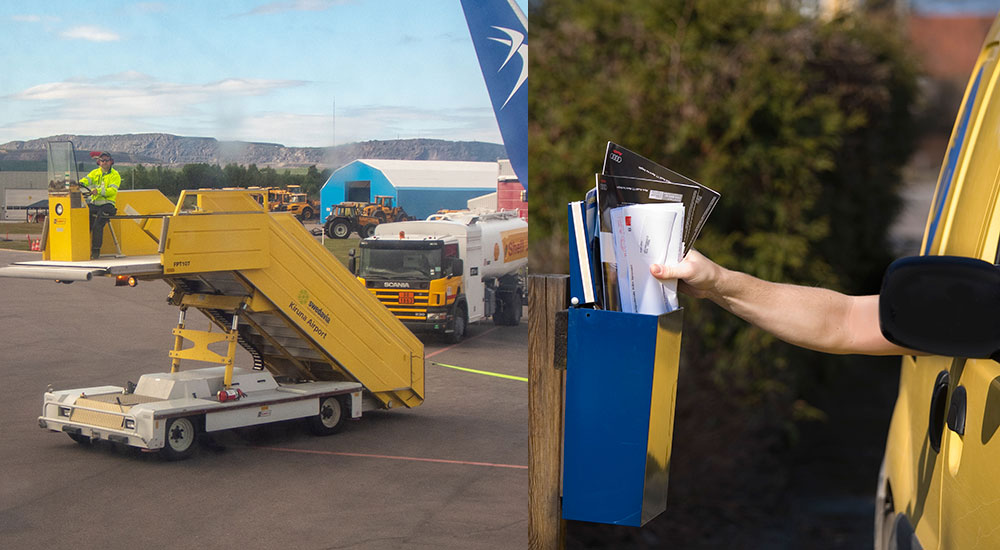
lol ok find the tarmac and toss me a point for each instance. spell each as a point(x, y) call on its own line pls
point(451, 473)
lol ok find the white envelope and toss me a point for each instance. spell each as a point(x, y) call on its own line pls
point(646, 234)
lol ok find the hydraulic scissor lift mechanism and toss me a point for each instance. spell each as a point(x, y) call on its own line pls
point(322, 346)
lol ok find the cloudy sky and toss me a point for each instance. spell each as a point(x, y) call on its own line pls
point(243, 70)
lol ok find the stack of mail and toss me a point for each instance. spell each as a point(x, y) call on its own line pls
point(639, 213)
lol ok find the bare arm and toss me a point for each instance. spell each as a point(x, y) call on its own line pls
point(813, 318)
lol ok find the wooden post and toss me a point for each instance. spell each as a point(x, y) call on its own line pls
point(547, 294)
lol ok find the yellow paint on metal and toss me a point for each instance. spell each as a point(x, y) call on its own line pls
point(515, 244)
point(284, 271)
point(96, 418)
point(138, 223)
point(198, 243)
point(201, 340)
point(972, 190)
point(949, 496)
point(175, 362)
point(663, 397)
point(327, 303)
point(213, 301)
point(69, 228)
point(442, 291)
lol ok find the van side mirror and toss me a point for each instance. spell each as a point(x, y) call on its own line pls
point(457, 267)
point(352, 262)
point(945, 305)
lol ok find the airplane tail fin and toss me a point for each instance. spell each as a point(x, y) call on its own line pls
point(499, 32)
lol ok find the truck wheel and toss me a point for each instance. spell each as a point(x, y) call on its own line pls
point(459, 332)
point(509, 312)
point(514, 309)
point(307, 213)
point(340, 230)
point(181, 435)
point(330, 418)
point(369, 231)
point(501, 315)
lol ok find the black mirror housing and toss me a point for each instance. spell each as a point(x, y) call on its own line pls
point(457, 267)
point(944, 305)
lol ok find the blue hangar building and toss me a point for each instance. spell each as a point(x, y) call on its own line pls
point(421, 187)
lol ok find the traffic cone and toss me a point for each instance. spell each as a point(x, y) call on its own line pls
point(36, 245)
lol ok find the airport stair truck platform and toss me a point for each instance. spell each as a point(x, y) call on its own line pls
point(323, 347)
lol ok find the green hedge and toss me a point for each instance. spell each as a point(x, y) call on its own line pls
point(802, 125)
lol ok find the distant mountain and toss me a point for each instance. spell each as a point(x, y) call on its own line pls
point(169, 149)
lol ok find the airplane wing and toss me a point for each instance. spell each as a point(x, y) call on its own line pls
point(499, 32)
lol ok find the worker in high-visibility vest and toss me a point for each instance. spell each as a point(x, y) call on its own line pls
point(103, 183)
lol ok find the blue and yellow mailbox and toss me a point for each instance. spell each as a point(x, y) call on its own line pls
point(621, 388)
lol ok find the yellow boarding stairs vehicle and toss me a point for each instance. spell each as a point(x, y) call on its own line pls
point(323, 348)
point(939, 486)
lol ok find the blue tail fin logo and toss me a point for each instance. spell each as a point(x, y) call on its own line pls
point(500, 34)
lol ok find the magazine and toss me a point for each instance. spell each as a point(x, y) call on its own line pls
point(619, 161)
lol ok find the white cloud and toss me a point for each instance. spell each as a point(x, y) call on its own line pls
point(128, 85)
point(362, 124)
point(295, 5)
point(133, 102)
point(90, 33)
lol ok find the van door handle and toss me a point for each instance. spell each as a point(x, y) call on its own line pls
point(956, 411)
point(938, 413)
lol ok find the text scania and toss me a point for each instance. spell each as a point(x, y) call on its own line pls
point(309, 321)
point(392, 284)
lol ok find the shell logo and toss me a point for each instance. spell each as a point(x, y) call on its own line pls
point(496, 252)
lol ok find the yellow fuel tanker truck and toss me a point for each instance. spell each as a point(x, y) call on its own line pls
point(452, 269)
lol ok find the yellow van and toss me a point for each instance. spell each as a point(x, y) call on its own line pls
point(939, 485)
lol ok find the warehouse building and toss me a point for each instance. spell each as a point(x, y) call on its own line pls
point(19, 191)
point(421, 187)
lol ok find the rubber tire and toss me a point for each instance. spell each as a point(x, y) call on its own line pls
point(307, 213)
point(340, 230)
point(369, 230)
point(459, 332)
point(181, 437)
point(81, 439)
point(501, 317)
point(330, 418)
point(515, 309)
point(509, 313)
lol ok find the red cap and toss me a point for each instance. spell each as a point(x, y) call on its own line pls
point(95, 154)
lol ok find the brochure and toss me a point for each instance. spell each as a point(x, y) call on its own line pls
point(619, 161)
point(581, 274)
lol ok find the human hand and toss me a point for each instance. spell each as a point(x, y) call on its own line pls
point(697, 275)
